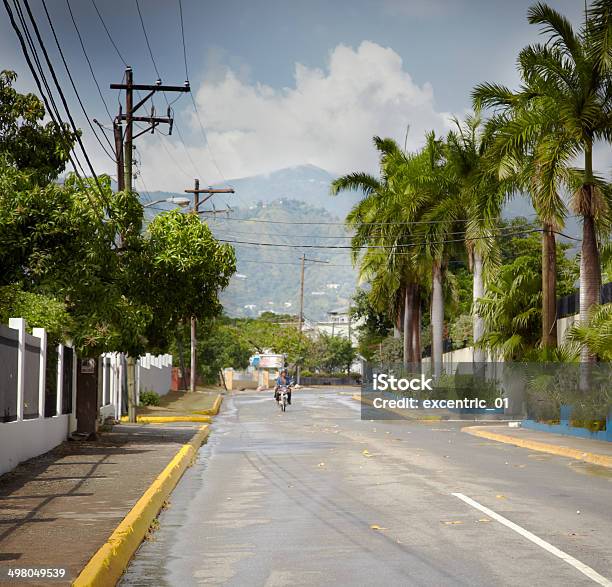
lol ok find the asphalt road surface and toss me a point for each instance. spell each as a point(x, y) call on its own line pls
point(316, 496)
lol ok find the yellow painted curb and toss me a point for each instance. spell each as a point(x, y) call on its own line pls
point(214, 410)
point(554, 449)
point(107, 565)
point(165, 419)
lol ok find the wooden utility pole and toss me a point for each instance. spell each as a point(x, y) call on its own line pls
point(301, 317)
point(196, 191)
point(302, 294)
point(124, 151)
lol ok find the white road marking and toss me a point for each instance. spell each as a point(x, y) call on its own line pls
point(570, 560)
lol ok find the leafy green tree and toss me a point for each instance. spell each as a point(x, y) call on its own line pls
point(38, 310)
point(375, 325)
point(38, 150)
point(512, 307)
point(596, 333)
point(179, 273)
point(219, 346)
point(332, 353)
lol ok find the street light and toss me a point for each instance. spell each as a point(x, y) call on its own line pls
point(179, 201)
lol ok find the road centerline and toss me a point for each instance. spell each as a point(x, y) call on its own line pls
point(570, 560)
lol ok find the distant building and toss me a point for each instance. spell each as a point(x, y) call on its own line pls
point(339, 323)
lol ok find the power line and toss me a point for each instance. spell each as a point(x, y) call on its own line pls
point(195, 107)
point(110, 38)
point(144, 30)
point(61, 94)
point(183, 38)
point(499, 230)
point(59, 48)
point(386, 247)
point(60, 126)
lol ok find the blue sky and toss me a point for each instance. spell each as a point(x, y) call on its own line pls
point(281, 83)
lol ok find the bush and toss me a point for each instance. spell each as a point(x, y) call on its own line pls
point(149, 398)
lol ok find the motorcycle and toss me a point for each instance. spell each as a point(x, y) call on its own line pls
point(282, 397)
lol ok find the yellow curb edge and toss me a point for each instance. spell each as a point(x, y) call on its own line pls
point(110, 561)
point(563, 451)
point(214, 410)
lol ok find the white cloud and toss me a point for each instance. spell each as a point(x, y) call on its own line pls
point(327, 118)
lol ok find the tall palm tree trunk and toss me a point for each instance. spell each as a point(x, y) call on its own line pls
point(416, 327)
point(549, 287)
point(408, 311)
point(590, 270)
point(437, 318)
point(478, 327)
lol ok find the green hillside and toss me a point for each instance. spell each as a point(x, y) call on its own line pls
point(268, 278)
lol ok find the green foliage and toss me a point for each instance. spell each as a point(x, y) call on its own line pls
point(596, 334)
point(52, 242)
point(511, 307)
point(220, 345)
point(461, 331)
point(38, 150)
point(149, 398)
point(390, 351)
point(331, 354)
point(38, 310)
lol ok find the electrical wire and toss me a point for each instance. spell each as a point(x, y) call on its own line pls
point(183, 37)
point(61, 127)
point(195, 107)
point(61, 94)
point(59, 48)
point(91, 69)
point(110, 38)
point(385, 247)
point(144, 30)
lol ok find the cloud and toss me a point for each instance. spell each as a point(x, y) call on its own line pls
point(327, 118)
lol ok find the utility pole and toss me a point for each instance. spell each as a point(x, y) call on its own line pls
point(301, 316)
point(123, 152)
point(196, 191)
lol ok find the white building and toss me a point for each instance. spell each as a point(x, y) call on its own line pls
point(339, 323)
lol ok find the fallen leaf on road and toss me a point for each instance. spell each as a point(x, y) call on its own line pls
point(377, 527)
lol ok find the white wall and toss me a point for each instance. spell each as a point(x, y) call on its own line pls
point(25, 439)
point(155, 373)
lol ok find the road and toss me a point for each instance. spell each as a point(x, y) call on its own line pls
point(316, 496)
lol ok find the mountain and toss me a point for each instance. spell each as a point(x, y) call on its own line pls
point(266, 208)
point(268, 277)
point(306, 183)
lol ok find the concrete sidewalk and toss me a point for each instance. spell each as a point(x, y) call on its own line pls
point(58, 509)
point(590, 451)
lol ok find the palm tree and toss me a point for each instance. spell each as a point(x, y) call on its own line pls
point(567, 92)
point(480, 195)
point(576, 87)
point(382, 240)
point(528, 166)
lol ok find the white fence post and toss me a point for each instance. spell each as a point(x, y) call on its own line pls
point(19, 324)
point(42, 334)
point(60, 379)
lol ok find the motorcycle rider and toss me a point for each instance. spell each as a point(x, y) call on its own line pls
point(283, 380)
